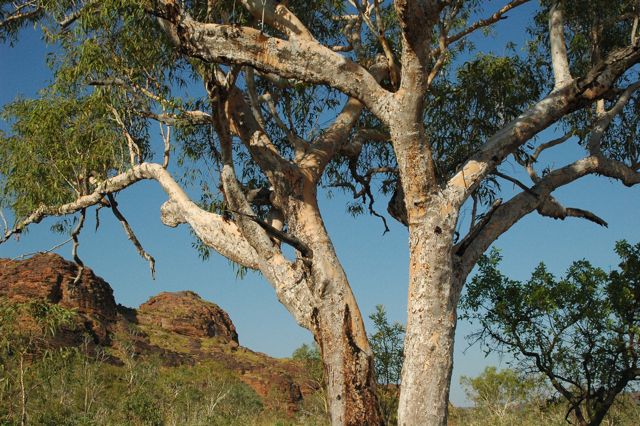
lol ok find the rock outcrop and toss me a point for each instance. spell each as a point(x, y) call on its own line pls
point(186, 313)
point(177, 327)
point(51, 278)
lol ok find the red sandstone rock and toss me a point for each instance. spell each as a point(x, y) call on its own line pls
point(186, 313)
point(51, 278)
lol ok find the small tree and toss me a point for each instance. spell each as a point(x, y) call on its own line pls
point(386, 342)
point(580, 331)
point(499, 391)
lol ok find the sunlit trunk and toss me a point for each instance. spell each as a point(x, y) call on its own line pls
point(433, 295)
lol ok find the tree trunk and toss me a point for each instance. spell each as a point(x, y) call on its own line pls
point(337, 324)
point(349, 370)
point(434, 288)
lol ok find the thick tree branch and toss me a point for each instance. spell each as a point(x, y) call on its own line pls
point(298, 58)
point(559, 61)
point(215, 231)
point(418, 22)
point(279, 17)
point(329, 142)
point(246, 127)
point(538, 197)
point(550, 207)
point(580, 93)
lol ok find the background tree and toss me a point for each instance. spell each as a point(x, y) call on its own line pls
point(580, 331)
point(386, 342)
point(500, 392)
point(411, 103)
point(310, 356)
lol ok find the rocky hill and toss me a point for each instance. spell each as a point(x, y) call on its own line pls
point(180, 328)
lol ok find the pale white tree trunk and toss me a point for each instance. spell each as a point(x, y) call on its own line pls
point(434, 289)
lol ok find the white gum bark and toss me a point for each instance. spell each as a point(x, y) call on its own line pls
point(559, 61)
point(434, 289)
point(315, 288)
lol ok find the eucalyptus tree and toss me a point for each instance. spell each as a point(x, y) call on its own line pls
point(409, 105)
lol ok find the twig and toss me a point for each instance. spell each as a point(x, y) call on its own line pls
point(468, 239)
point(516, 182)
point(166, 137)
point(134, 149)
point(57, 246)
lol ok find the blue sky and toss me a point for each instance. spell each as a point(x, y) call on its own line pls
point(376, 264)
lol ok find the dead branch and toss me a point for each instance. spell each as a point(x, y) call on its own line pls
point(74, 237)
point(132, 236)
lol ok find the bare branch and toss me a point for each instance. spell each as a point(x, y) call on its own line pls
point(529, 161)
point(132, 236)
point(483, 23)
point(74, 251)
point(548, 145)
point(49, 250)
point(166, 137)
point(514, 181)
point(5, 225)
point(550, 207)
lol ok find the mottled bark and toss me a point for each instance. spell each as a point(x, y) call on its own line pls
point(434, 289)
